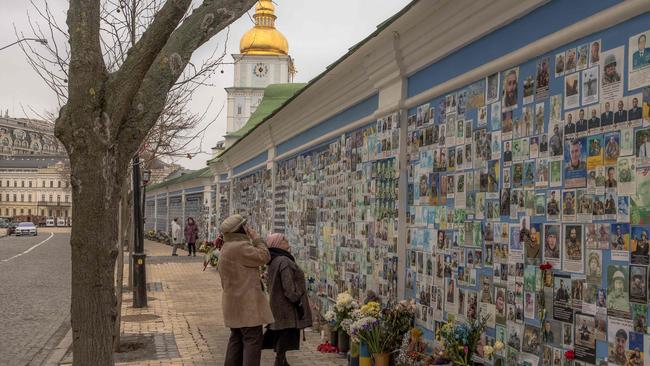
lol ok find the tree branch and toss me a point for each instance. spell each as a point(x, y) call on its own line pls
point(126, 81)
point(206, 21)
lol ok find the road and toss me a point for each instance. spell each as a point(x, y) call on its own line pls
point(34, 296)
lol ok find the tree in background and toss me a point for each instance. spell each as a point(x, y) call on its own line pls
point(112, 95)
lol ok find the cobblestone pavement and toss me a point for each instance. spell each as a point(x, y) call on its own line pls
point(34, 296)
point(185, 316)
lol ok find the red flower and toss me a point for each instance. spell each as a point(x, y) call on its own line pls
point(570, 354)
point(545, 266)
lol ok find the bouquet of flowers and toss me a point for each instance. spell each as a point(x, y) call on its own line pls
point(459, 340)
point(382, 330)
point(343, 309)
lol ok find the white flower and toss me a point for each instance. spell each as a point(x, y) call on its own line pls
point(329, 316)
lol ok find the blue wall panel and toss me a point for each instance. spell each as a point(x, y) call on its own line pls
point(354, 113)
point(539, 23)
point(259, 159)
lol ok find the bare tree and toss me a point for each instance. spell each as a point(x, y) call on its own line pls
point(111, 100)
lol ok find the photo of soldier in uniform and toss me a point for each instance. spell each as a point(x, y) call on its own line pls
point(638, 284)
point(573, 249)
point(510, 92)
point(640, 245)
point(618, 291)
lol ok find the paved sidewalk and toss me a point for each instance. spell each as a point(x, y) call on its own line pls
point(184, 316)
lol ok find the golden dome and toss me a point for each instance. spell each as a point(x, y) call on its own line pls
point(263, 38)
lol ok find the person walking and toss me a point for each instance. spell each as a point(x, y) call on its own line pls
point(176, 235)
point(191, 235)
point(245, 305)
point(288, 297)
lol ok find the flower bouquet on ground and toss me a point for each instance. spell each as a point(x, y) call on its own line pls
point(382, 330)
point(459, 339)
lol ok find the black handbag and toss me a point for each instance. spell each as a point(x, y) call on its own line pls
point(268, 341)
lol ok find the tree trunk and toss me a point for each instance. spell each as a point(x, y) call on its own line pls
point(93, 260)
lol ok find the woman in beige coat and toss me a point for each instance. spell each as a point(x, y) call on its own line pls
point(245, 306)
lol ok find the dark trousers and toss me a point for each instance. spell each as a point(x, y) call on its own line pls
point(191, 248)
point(244, 347)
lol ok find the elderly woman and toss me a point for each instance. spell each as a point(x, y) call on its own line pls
point(288, 298)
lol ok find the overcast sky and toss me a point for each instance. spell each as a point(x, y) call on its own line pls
point(319, 32)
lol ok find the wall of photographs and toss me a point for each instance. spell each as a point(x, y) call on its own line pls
point(252, 197)
point(544, 162)
point(337, 204)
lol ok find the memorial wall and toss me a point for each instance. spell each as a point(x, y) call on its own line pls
point(526, 196)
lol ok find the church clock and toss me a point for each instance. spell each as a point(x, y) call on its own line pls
point(260, 70)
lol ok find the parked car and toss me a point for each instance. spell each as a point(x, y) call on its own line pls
point(26, 228)
point(11, 228)
point(49, 221)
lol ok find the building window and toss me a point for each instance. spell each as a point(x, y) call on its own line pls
point(30, 184)
point(15, 184)
point(51, 184)
point(14, 211)
point(49, 212)
point(22, 198)
point(43, 197)
point(58, 198)
point(6, 212)
point(59, 184)
point(50, 198)
point(29, 212)
point(22, 184)
point(43, 184)
point(42, 212)
point(67, 198)
point(22, 211)
point(29, 198)
point(7, 196)
point(15, 199)
point(0, 183)
point(66, 213)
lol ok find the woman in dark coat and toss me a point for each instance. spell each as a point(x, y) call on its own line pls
point(191, 235)
point(288, 298)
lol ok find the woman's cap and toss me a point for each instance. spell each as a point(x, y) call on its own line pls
point(232, 224)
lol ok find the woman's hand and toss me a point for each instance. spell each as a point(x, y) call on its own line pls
point(250, 232)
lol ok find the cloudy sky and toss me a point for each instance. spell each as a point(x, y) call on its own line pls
point(319, 32)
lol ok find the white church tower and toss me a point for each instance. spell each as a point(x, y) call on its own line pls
point(263, 59)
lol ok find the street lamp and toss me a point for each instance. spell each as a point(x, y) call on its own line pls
point(139, 258)
point(42, 41)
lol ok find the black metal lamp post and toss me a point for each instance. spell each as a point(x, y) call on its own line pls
point(139, 258)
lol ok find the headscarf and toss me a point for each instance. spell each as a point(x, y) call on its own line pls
point(274, 240)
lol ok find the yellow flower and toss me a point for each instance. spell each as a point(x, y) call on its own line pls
point(488, 350)
point(498, 345)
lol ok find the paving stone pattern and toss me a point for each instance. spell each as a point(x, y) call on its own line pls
point(189, 329)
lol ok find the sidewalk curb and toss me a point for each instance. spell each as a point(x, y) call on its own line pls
point(59, 352)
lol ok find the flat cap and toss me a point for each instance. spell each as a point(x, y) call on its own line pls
point(232, 224)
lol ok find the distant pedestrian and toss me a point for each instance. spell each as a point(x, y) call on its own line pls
point(176, 235)
point(191, 235)
point(245, 305)
point(288, 297)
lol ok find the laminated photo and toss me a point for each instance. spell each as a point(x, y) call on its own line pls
point(638, 283)
point(572, 90)
point(542, 78)
point(570, 61)
point(640, 245)
point(590, 85)
point(552, 235)
point(635, 111)
point(562, 307)
point(612, 149)
point(626, 168)
point(594, 266)
point(574, 259)
point(620, 241)
point(618, 291)
point(638, 61)
point(559, 64)
point(582, 56)
point(594, 53)
point(640, 201)
point(529, 89)
point(611, 69)
point(618, 336)
point(594, 119)
point(510, 92)
point(595, 151)
point(585, 338)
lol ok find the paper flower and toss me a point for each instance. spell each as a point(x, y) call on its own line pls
point(498, 345)
point(570, 354)
point(545, 266)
